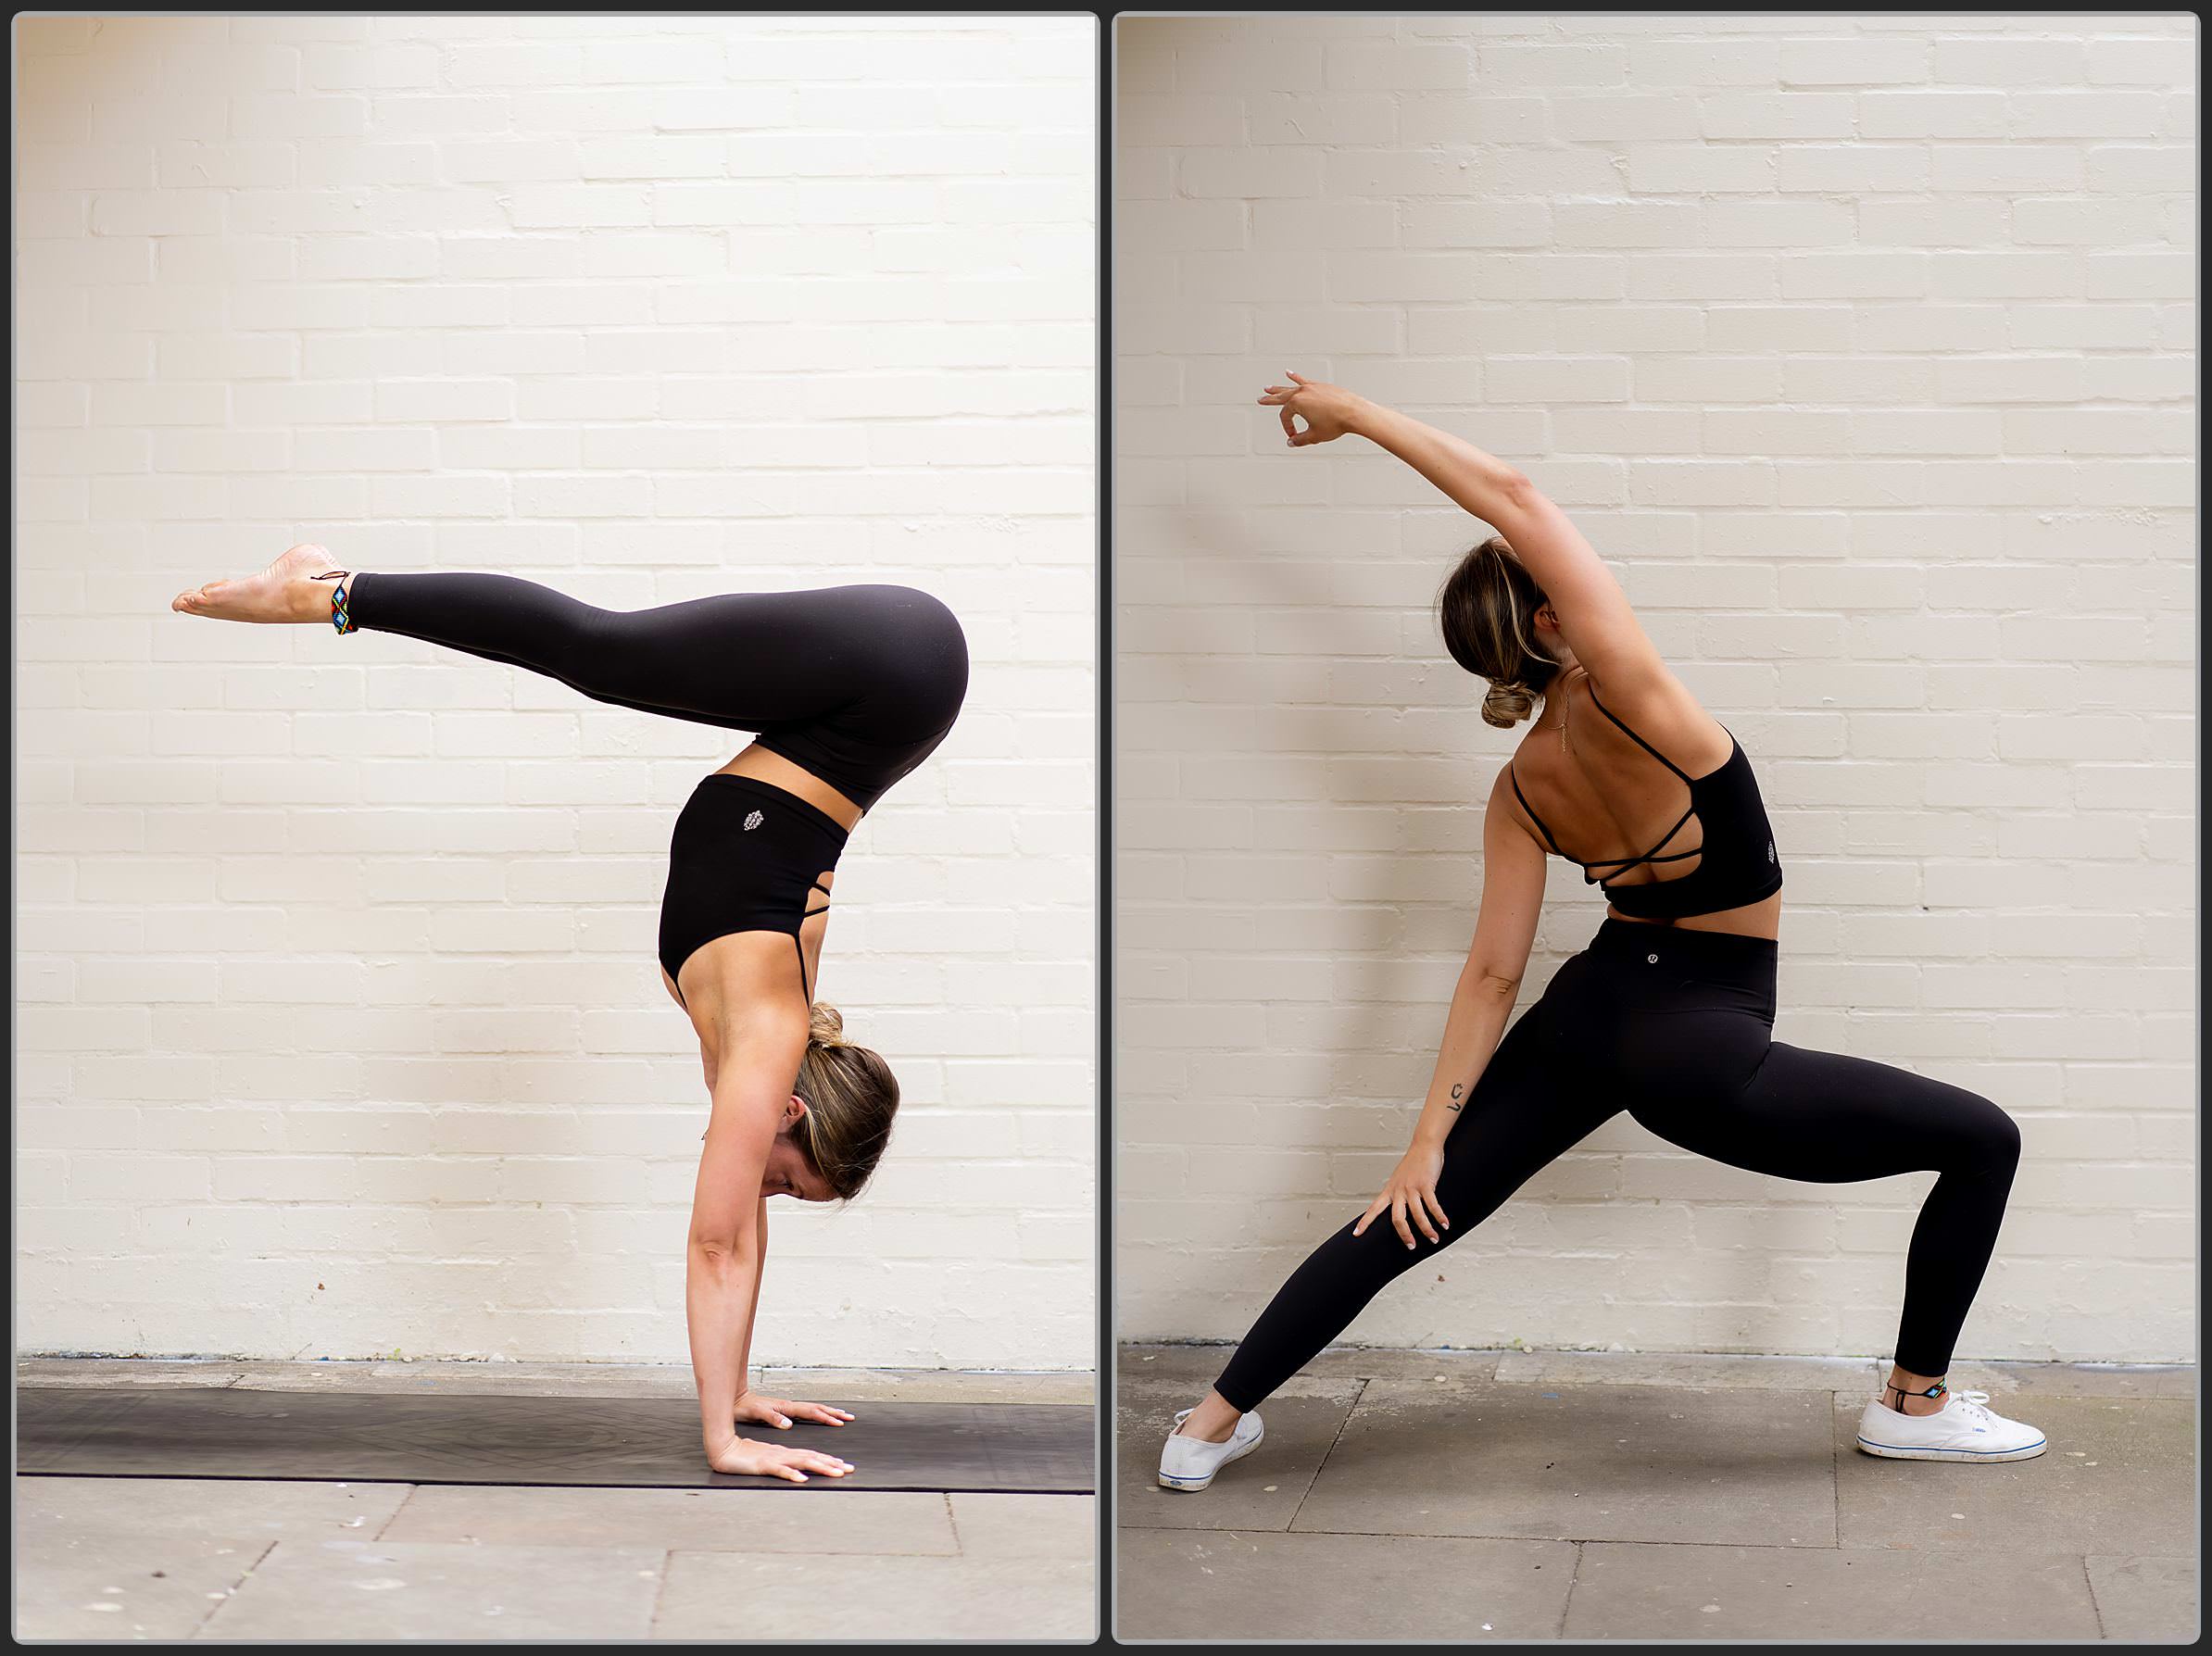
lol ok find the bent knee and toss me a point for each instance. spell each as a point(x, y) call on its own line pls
point(1996, 1139)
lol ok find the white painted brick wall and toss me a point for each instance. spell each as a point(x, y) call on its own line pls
point(338, 1024)
point(1863, 348)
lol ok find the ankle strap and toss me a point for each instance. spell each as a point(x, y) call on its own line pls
point(340, 618)
point(1936, 1390)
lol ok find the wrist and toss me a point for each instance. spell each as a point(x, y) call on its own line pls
point(1362, 417)
point(1426, 1138)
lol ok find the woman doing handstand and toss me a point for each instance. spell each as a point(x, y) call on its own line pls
point(848, 689)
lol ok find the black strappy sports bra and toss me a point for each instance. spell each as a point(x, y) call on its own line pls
point(1739, 865)
point(744, 856)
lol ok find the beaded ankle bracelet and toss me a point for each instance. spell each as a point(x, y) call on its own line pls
point(339, 618)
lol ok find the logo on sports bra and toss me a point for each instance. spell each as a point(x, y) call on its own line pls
point(753, 822)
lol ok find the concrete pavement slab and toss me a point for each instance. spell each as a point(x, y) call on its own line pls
point(1250, 1584)
point(261, 1511)
point(1064, 1526)
point(2151, 1599)
point(81, 1581)
point(2119, 1477)
point(122, 1370)
point(1369, 1364)
point(1640, 1591)
point(1592, 1462)
point(2073, 1379)
point(1200, 1364)
point(859, 1521)
point(313, 1590)
point(753, 1596)
point(1702, 1370)
point(1192, 1366)
point(1261, 1491)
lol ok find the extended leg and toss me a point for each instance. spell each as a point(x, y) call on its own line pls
point(1517, 1119)
point(737, 660)
point(856, 683)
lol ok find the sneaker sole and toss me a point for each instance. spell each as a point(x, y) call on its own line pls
point(1892, 1451)
point(1192, 1486)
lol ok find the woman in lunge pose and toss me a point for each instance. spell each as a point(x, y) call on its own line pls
point(849, 688)
point(1668, 1013)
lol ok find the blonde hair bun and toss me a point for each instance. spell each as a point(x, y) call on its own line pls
point(826, 1026)
point(1507, 703)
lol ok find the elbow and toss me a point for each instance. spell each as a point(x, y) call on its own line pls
point(1517, 489)
point(1495, 985)
point(719, 1250)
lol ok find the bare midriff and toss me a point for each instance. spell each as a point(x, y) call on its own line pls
point(777, 771)
point(1762, 919)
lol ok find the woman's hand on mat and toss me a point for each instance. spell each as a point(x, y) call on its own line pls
point(748, 1458)
point(782, 1411)
point(1328, 410)
point(1410, 1195)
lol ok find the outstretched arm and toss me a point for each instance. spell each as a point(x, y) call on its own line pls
point(1513, 896)
point(1594, 616)
point(728, 1238)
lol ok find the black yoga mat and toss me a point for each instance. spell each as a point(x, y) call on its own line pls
point(197, 1432)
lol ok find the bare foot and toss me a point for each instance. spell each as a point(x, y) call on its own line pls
point(285, 591)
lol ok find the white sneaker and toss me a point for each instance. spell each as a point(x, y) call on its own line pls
point(1963, 1429)
point(1191, 1462)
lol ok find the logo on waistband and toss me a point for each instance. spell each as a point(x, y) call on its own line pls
point(1770, 846)
point(753, 822)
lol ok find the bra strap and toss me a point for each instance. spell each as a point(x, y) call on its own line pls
point(1639, 742)
point(1624, 863)
point(805, 915)
point(1513, 777)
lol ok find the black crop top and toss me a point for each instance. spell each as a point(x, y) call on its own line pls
point(1739, 864)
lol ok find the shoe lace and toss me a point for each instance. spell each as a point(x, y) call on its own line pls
point(1971, 1402)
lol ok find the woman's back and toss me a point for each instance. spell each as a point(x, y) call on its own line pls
point(1670, 828)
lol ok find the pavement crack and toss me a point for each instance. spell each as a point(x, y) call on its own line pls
point(1306, 1493)
point(660, 1591)
point(412, 1489)
point(1568, 1599)
point(1835, 1473)
point(237, 1586)
point(2096, 1606)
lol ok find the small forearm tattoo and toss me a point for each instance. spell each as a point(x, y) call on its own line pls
point(1457, 1089)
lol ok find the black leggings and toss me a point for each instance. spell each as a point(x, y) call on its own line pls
point(856, 684)
point(1676, 1027)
